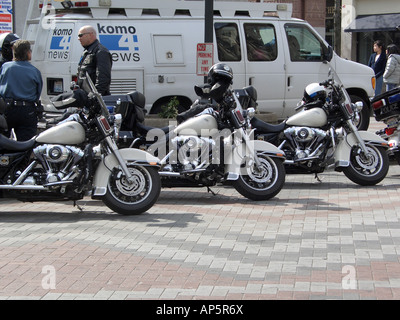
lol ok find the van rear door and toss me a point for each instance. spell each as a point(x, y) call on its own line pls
point(304, 56)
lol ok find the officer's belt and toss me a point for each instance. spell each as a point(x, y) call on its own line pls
point(16, 103)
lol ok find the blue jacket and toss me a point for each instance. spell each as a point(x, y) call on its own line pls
point(379, 65)
point(20, 80)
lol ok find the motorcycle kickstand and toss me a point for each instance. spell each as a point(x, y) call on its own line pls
point(78, 206)
point(210, 191)
point(317, 178)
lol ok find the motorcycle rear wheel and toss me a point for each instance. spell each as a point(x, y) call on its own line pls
point(261, 184)
point(370, 170)
point(133, 198)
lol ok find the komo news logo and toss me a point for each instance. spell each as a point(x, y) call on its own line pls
point(122, 41)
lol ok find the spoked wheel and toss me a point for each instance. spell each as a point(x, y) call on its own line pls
point(136, 196)
point(367, 169)
point(261, 183)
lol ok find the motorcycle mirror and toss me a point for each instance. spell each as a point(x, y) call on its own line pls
point(328, 54)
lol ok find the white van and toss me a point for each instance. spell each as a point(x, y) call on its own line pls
point(153, 44)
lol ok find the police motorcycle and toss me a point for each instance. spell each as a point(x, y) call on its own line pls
point(323, 134)
point(210, 145)
point(386, 107)
point(79, 158)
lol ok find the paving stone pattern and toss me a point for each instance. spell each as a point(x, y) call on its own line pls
point(315, 240)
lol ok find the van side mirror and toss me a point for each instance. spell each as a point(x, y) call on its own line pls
point(328, 54)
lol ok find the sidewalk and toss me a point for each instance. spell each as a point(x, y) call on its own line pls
point(329, 240)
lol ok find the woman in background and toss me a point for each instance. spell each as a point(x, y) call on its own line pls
point(377, 62)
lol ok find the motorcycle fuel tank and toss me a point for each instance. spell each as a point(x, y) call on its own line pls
point(70, 132)
point(197, 125)
point(315, 117)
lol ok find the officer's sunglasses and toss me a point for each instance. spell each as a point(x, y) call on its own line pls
point(82, 34)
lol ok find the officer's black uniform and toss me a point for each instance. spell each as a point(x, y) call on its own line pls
point(97, 61)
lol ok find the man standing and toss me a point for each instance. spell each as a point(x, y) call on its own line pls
point(96, 60)
point(21, 86)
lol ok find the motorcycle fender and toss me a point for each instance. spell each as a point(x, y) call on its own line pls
point(105, 167)
point(239, 152)
point(343, 149)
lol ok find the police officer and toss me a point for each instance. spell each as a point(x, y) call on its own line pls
point(20, 87)
point(96, 60)
point(6, 43)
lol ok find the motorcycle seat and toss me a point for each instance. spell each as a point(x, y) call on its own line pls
point(264, 127)
point(12, 145)
point(145, 129)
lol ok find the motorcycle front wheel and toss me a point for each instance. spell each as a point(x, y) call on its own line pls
point(135, 197)
point(261, 183)
point(367, 169)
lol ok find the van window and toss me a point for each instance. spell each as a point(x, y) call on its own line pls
point(303, 44)
point(260, 42)
point(228, 42)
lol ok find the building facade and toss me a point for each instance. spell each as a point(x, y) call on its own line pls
point(363, 22)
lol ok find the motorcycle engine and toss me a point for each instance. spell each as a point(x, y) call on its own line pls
point(304, 134)
point(57, 161)
point(192, 151)
point(305, 141)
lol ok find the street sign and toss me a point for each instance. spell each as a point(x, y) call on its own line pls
point(6, 16)
point(204, 58)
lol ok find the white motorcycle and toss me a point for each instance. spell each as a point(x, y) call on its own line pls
point(213, 145)
point(386, 108)
point(79, 158)
point(323, 134)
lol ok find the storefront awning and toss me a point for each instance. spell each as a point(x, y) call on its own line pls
point(376, 22)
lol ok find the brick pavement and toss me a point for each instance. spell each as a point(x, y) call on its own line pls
point(329, 240)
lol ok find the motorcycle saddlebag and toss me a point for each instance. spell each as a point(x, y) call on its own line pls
point(131, 106)
point(387, 105)
point(247, 97)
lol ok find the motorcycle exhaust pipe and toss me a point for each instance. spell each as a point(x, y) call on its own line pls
point(170, 174)
point(22, 187)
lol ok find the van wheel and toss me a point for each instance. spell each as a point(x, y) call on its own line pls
point(365, 113)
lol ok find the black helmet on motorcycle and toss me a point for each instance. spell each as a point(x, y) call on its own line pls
point(6, 42)
point(76, 99)
point(314, 92)
point(220, 72)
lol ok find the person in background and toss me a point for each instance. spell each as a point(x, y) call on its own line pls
point(96, 60)
point(7, 41)
point(391, 76)
point(377, 61)
point(20, 87)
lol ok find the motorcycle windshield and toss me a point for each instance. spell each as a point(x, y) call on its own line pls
point(334, 77)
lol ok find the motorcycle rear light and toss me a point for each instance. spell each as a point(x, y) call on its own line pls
point(82, 4)
point(379, 104)
point(41, 5)
point(395, 98)
point(389, 131)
